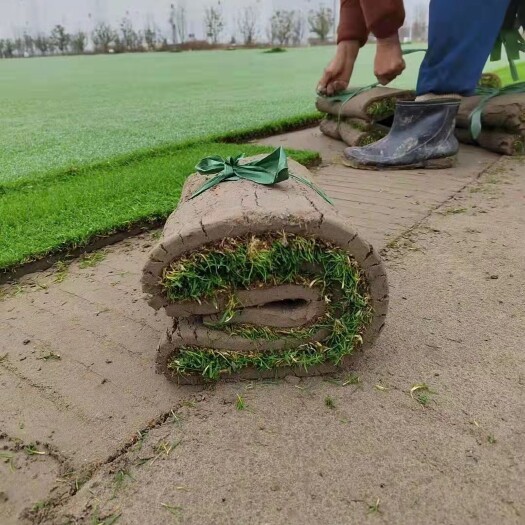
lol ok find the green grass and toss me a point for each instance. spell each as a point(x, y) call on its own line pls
point(96, 144)
point(240, 264)
point(329, 402)
point(68, 210)
point(62, 112)
point(504, 73)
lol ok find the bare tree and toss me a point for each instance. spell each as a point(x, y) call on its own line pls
point(9, 48)
point(281, 27)
point(103, 36)
point(321, 22)
point(78, 42)
point(18, 44)
point(247, 24)
point(151, 37)
point(42, 43)
point(213, 23)
point(29, 44)
point(60, 38)
point(298, 28)
point(178, 23)
point(419, 25)
point(130, 39)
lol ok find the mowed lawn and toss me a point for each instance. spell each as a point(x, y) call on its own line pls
point(96, 144)
point(60, 112)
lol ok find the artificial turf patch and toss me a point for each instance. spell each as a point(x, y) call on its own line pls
point(271, 260)
point(71, 208)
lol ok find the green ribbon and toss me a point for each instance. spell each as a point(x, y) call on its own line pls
point(514, 44)
point(486, 95)
point(510, 37)
point(269, 170)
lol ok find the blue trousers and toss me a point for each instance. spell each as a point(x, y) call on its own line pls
point(461, 36)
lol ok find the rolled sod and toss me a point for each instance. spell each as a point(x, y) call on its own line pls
point(496, 140)
point(371, 105)
point(504, 112)
point(262, 282)
point(353, 132)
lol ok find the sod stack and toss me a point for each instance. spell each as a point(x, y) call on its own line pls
point(361, 119)
point(262, 282)
point(502, 120)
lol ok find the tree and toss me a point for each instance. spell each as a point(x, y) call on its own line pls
point(150, 37)
point(247, 24)
point(213, 23)
point(130, 38)
point(18, 45)
point(42, 43)
point(2, 46)
point(281, 27)
point(103, 36)
point(29, 44)
point(9, 47)
point(419, 25)
point(178, 23)
point(321, 22)
point(60, 38)
point(298, 28)
point(78, 42)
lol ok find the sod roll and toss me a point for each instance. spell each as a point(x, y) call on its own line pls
point(505, 112)
point(496, 140)
point(262, 281)
point(371, 105)
point(353, 132)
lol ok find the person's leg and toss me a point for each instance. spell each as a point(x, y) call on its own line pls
point(461, 36)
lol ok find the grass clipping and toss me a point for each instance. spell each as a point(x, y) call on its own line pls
point(221, 271)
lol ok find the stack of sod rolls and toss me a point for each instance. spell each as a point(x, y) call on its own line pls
point(502, 120)
point(262, 282)
point(360, 120)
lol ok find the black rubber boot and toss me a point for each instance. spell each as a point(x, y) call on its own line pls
point(422, 136)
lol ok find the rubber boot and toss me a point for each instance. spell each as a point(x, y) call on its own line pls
point(422, 136)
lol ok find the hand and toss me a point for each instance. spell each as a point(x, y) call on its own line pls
point(389, 61)
point(337, 75)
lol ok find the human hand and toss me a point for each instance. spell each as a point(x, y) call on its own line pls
point(389, 61)
point(337, 75)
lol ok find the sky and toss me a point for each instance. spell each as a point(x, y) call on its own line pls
point(34, 16)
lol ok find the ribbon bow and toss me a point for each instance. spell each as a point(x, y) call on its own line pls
point(486, 95)
point(269, 170)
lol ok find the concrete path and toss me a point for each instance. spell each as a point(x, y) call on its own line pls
point(381, 204)
point(91, 432)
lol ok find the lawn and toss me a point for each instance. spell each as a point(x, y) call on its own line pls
point(69, 111)
point(95, 144)
point(68, 211)
point(504, 73)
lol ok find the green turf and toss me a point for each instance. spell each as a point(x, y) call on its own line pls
point(277, 259)
point(93, 144)
point(59, 112)
point(506, 78)
point(69, 210)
